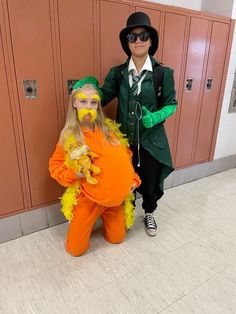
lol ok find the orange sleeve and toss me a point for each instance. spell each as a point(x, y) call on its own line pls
point(58, 171)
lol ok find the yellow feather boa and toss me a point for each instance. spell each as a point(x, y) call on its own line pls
point(70, 197)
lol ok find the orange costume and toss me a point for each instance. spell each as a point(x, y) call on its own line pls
point(104, 199)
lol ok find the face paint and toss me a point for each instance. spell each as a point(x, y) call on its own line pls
point(84, 111)
point(96, 97)
point(81, 96)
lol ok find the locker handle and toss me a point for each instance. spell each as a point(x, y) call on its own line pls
point(189, 84)
point(30, 89)
point(209, 84)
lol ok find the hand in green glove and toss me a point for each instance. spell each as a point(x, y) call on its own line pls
point(147, 118)
point(150, 119)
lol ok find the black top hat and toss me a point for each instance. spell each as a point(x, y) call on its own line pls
point(139, 19)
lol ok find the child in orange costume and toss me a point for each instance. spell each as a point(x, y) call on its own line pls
point(115, 181)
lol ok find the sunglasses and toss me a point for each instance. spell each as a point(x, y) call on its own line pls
point(132, 37)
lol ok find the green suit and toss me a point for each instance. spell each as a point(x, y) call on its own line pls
point(153, 139)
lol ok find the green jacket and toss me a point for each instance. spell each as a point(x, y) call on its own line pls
point(154, 139)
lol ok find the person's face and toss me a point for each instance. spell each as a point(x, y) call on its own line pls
point(86, 102)
point(139, 47)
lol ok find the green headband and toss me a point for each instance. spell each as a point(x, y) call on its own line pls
point(91, 80)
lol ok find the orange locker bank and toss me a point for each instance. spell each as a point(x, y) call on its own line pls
point(41, 57)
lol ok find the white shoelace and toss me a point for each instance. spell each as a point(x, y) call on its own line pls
point(150, 221)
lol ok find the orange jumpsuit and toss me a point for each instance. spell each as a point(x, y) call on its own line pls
point(101, 200)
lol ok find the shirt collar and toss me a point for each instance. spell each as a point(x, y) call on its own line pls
point(147, 65)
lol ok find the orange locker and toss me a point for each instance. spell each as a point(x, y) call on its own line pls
point(76, 29)
point(212, 83)
point(33, 57)
point(11, 196)
point(112, 18)
point(195, 67)
point(174, 45)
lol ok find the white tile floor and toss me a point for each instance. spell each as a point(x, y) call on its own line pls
point(189, 267)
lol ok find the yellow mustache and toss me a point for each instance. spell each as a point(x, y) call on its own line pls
point(84, 111)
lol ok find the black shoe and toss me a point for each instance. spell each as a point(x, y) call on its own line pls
point(150, 224)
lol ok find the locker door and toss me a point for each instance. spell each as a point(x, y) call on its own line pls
point(32, 49)
point(113, 18)
point(211, 91)
point(173, 49)
point(11, 196)
point(190, 99)
point(76, 40)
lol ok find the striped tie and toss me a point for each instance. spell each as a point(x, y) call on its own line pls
point(136, 79)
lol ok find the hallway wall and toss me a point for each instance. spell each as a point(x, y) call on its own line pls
point(225, 155)
point(188, 4)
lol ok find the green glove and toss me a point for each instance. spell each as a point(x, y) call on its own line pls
point(150, 119)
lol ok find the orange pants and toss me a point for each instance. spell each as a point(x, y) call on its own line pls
point(85, 215)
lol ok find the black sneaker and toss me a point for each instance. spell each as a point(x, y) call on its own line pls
point(150, 224)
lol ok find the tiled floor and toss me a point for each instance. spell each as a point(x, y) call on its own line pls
point(189, 267)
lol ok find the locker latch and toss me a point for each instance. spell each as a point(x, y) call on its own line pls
point(30, 88)
point(209, 84)
point(70, 84)
point(189, 83)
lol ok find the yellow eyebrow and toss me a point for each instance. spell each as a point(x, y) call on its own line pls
point(96, 97)
point(81, 96)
